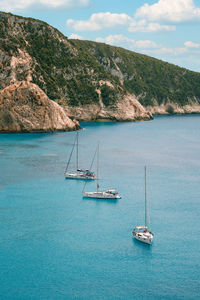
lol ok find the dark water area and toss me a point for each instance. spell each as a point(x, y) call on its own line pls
point(56, 245)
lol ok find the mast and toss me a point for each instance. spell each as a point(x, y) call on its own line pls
point(90, 167)
point(77, 152)
point(70, 156)
point(98, 167)
point(145, 182)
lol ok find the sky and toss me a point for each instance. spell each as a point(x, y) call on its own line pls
point(164, 29)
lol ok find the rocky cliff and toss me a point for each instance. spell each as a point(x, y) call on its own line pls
point(35, 52)
point(127, 108)
point(159, 86)
point(92, 81)
point(24, 107)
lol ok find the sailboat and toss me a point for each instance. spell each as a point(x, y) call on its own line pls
point(143, 233)
point(107, 194)
point(85, 174)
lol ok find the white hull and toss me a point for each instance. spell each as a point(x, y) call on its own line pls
point(78, 173)
point(141, 232)
point(100, 195)
point(143, 237)
point(79, 176)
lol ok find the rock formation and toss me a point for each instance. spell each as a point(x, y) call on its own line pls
point(24, 107)
point(169, 108)
point(127, 109)
point(89, 81)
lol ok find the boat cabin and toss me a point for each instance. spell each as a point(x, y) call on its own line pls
point(113, 192)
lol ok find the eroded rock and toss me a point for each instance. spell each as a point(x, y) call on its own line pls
point(24, 107)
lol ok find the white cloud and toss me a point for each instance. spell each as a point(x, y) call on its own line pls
point(143, 26)
point(151, 48)
point(99, 21)
point(123, 41)
point(148, 18)
point(167, 50)
point(17, 5)
point(190, 44)
point(145, 44)
point(75, 36)
point(170, 10)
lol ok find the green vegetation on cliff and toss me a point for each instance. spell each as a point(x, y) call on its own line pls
point(152, 80)
point(74, 72)
point(64, 72)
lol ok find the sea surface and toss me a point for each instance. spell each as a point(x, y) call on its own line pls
point(56, 245)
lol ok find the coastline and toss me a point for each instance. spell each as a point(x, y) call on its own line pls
point(103, 121)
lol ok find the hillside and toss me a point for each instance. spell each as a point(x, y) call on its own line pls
point(24, 107)
point(153, 81)
point(92, 81)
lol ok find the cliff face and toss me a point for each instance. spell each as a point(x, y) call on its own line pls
point(70, 75)
point(24, 107)
point(92, 81)
point(157, 85)
point(127, 109)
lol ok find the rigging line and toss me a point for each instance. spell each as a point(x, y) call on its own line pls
point(90, 168)
point(145, 182)
point(70, 155)
point(149, 219)
point(93, 159)
point(84, 186)
point(77, 153)
point(147, 206)
point(97, 168)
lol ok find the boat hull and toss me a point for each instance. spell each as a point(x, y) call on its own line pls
point(100, 195)
point(79, 176)
point(142, 237)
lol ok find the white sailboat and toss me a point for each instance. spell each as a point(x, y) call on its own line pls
point(143, 233)
point(107, 194)
point(85, 174)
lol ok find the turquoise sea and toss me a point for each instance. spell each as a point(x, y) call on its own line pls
point(56, 245)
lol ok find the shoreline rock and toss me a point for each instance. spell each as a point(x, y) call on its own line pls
point(126, 109)
point(174, 109)
point(24, 107)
